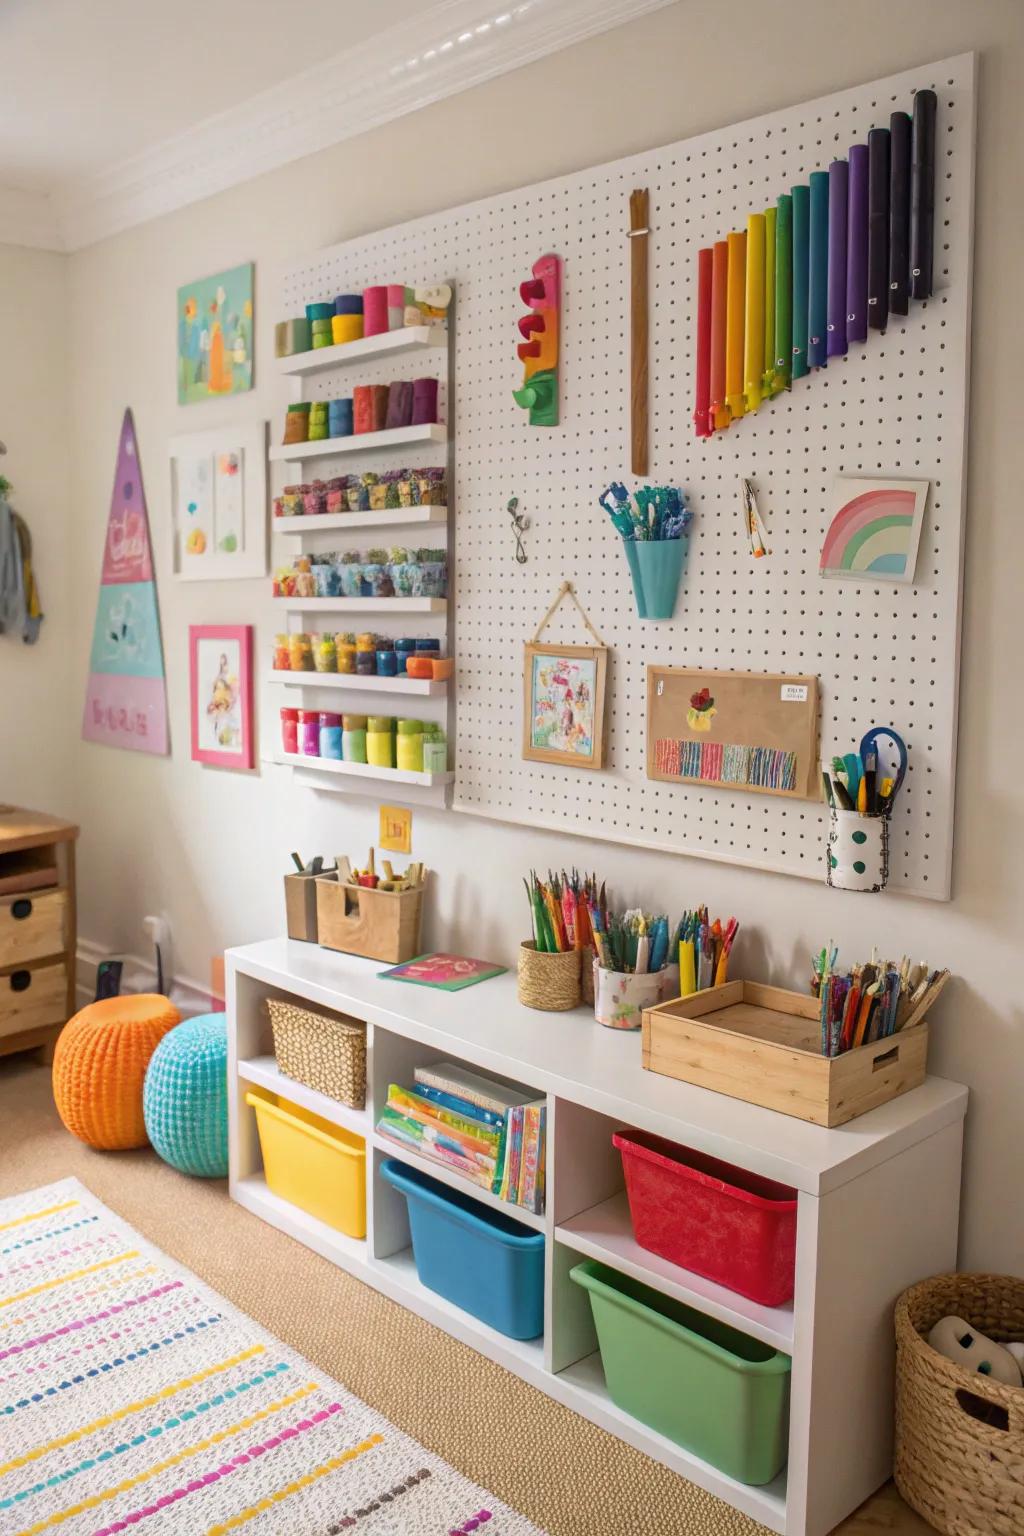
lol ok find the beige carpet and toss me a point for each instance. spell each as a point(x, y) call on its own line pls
point(569, 1477)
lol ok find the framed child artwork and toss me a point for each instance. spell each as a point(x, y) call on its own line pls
point(563, 704)
point(219, 502)
point(220, 669)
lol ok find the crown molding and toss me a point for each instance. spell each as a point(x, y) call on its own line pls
point(28, 218)
point(451, 47)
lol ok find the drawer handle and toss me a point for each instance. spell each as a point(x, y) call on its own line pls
point(21, 909)
point(21, 981)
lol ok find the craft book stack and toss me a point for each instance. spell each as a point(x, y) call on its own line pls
point(493, 1136)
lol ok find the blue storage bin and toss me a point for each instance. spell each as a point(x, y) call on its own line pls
point(480, 1259)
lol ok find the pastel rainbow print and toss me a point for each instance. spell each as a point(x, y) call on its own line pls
point(872, 533)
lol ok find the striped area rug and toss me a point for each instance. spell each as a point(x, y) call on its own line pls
point(134, 1398)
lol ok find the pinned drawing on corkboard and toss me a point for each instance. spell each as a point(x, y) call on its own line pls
point(733, 730)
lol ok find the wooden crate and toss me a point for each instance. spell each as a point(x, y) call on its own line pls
point(37, 929)
point(763, 1045)
point(380, 925)
point(300, 906)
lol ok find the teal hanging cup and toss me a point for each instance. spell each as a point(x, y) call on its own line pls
point(656, 566)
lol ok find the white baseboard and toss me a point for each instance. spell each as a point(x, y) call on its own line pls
point(138, 976)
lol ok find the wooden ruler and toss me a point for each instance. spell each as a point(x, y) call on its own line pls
point(638, 346)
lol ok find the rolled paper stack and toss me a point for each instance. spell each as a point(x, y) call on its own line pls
point(375, 310)
point(347, 324)
point(291, 337)
point(320, 317)
point(378, 407)
point(318, 421)
point(296, 423)
point(396, 306)
point(399, 404)
point(424, 401)
point(339, 417)
point(362, 409)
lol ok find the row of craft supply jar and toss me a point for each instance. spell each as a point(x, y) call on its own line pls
point(351, 316)
point(370, 408)
point(379, 573)
point(391, 491)
point(416, 746)
point(366, 655)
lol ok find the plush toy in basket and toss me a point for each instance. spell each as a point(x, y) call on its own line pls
point(959, 1411)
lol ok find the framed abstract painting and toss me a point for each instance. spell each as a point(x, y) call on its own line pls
point(215, 331)
point(221, 694)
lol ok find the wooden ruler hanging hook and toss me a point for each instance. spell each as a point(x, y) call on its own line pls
point(639, 202)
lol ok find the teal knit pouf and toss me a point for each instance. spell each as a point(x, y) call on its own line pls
point(185, 1097)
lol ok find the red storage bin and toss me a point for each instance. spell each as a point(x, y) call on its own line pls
point(721, 1222)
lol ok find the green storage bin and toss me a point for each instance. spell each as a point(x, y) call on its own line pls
point(715, 1391)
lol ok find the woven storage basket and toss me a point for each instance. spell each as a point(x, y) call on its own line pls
point(959, 1436)
point(551, 982)
point(328, 1054)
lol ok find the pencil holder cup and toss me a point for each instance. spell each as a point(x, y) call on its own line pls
point(620, 997)
point(857, 852)
point(656, 566)
point(549, 982)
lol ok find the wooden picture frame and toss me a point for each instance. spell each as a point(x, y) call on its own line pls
point(586, 667)
point(221, 694)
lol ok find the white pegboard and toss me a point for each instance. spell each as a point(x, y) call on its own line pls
point(885, 655)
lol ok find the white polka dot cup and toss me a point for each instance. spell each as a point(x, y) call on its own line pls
point(857, 855)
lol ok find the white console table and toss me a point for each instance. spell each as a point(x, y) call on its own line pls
point(878, 1207)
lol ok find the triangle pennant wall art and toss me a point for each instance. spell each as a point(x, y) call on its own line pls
point(126, 697)
point(810, 277)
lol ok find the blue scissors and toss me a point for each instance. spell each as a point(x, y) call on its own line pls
point(890, 754)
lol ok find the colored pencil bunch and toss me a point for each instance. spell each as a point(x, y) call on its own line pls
point(656, 512)
point(869, 1002)
point(704, 949)
point(810, 276)
point(560, 910)
point(634, 944)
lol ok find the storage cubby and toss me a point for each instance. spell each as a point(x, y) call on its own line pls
point(863, 1231)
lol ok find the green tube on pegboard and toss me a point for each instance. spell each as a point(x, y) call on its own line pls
point(801, 269)
point(770, 385)
point(783, 291)
point(817, 281)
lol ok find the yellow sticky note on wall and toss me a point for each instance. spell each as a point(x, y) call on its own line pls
point(395, 829)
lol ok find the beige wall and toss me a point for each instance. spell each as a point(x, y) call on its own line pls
point(209, 848)
point(38, 696)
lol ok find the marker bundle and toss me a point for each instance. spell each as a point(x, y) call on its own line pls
point(704, 949)
point(560, 909)
point(634, 944)
point(656, 512)
point(872, 1001)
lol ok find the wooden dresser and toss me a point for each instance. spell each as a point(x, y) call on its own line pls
point(37, 929)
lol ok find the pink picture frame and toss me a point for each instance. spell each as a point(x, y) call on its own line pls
point(221, 694)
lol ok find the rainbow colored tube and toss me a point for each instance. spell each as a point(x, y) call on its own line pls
point(718, 411)
point(783, 292)
point(801, 278)
point(817, 280)
point(768, 383)
point(702, 387)
point(753, 334)
point(734, 316)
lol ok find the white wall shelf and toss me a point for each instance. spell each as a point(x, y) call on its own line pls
point(359, 442)
point(455, 1181)
point(864, 1229)
point(395, 605)
point(265, 1073)
point(411, 338)
point(340, 522)
point(331, 765)
point(355, 682)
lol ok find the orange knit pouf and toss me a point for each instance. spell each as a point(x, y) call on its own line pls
point(100, 1064)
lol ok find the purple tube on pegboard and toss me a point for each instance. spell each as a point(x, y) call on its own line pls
point(838, 215)
point(857, 247)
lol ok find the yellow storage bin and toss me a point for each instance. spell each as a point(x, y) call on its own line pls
point(313, 1164)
